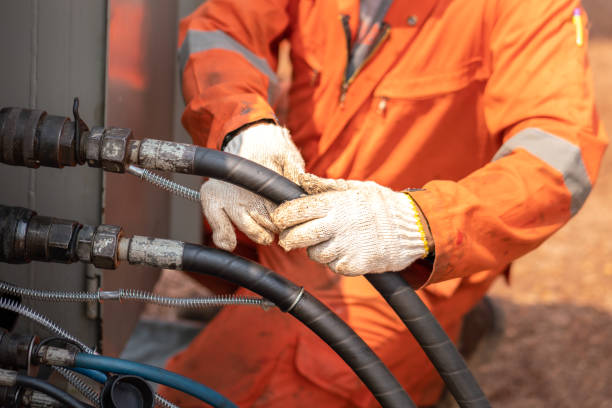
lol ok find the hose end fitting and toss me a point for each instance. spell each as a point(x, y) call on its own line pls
point(99, 245)
point(16, 350)
point(32, 138)
point(56, 356)
point(108, 148)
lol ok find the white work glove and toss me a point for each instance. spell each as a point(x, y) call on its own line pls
point(354, 227)
point(271, 146)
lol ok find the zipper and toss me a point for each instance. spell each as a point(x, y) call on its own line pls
point(347, 34)
point(382, 36)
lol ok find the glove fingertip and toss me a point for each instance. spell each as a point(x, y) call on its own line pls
point(279, 216)
point(225, 241)
point(284, 243)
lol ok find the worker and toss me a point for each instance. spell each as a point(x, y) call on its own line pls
point(438, 139)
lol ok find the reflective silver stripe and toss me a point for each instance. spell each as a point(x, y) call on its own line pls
point(557, 153)
point(197, 41)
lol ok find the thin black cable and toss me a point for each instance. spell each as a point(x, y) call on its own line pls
point(396, 291)
point(50, 390)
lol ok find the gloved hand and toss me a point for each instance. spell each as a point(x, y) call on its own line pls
point(271, 146)
point(354, 227)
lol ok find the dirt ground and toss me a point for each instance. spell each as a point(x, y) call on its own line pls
point(557, 349)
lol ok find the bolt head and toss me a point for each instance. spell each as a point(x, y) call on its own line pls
point(105, 246)
point(412, 21)
point(85, 242)
point(114, 147)
point(59, 241)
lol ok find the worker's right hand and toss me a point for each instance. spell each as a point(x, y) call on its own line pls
point(223, 203)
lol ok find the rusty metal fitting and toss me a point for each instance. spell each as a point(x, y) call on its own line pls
point(84, 243)
point(9, 396)
point(35, 399)
point(162, 253)
point(105, 246)
point(92, 146)
point(8, 378)
point(56, 356)
point(13, 227)
point(16, 350)
point(32, 138)
point(108, 148)
point(51, 239)
point(162, 155)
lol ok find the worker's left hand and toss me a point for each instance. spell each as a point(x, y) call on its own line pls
point(354, 227)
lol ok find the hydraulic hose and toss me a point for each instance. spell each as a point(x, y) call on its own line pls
point(400, 296)
point(154, 374)
point(284, 294)
point(48, 389)
point(95, 375)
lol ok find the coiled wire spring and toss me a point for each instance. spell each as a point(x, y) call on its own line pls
point(134, 295)
point(164, 183)
point(78, 383)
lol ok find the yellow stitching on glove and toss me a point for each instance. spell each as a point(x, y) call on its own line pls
point(419, 225)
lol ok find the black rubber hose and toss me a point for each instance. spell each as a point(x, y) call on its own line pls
point(396, 291)
point(50, 390)
point(306, 308)
point(245, 173)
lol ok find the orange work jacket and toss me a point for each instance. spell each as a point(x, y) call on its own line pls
point(486, 105)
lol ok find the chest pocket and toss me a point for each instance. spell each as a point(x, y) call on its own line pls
point(410, 84)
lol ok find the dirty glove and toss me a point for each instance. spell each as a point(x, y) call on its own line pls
point(354, 227)
point(271, 146)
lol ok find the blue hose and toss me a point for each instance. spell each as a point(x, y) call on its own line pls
point(95, 375)
point(154, 374)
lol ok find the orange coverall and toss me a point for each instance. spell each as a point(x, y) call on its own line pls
point(487, 105)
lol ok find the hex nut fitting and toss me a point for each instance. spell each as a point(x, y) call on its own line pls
point(105, 246)
point(108, 148)
point(60, 240)
point(85, 242)
point(114, 149)
point(92, 147)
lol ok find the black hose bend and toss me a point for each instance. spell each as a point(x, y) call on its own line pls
point(306, 308)
point(50, 390)
point(396, 291)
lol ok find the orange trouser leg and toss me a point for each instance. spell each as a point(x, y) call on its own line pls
point(269, 359)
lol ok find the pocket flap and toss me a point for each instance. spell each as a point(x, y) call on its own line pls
point(425, 86)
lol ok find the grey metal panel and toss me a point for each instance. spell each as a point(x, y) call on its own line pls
point(185, 215)
point(52, 51)
point(141, 57)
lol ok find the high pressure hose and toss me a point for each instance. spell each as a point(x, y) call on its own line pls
point(43, 321)
point(400, 296)
point(285, 294)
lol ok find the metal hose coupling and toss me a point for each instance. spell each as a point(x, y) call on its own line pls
point(26, 236)
point(8, 378)
point(55, 356)
point(17, 396)
point(162, 253)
